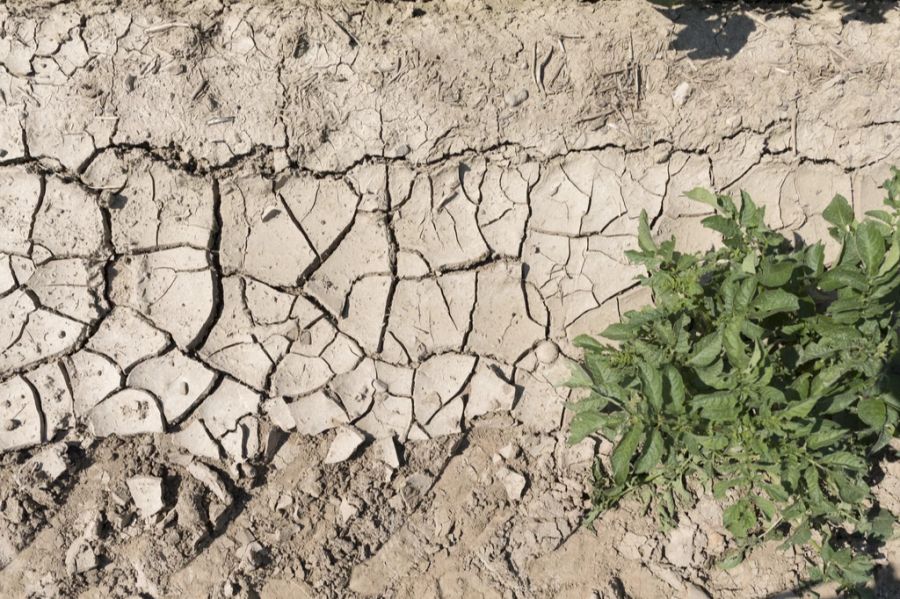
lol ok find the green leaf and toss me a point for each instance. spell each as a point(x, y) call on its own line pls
point(624, 451)
point(732, 559)
point(721, 405)
point(870, 245)
point(675, 387)
point(883, 524)
point(587, 342)
point(798, 410)
point(800, 536)
point(824, 438)
point(765, 506)
point(775, 274)
point(825, 379)
point(872, 411)
point(844, 459)
point(652, 385)
point(774, 301)
point(698, 194)
point(621, 331)
point(750, 214)
point(735, 348)
point(814, 258)
point(583, 425)
point(578, 377)
point(707, 350)
point(739, 518)
point(881, 215)
point(891, 259)
point(843, 276)
point(652, 453)
point(839, 212)
point(728, 228)
point(645, 238)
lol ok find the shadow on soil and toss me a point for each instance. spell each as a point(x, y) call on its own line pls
point(887, 585)
point(718, 28)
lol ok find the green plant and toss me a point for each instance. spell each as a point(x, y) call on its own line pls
point(761, 374)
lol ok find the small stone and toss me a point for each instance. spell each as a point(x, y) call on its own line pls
point(10, 424)
point(348, 509)
point(514, 98)
point(254, 554)
point(316, 413)
point(682, 93)
point(147, 493)
point(80, 557)
point(513, 482)
point(344, 445)
point(211, 479)
point(279, 413)
point(52, 461)
point(284, 502)
point(547, 352)
point(509, 451)
point(312, 487)
point(197, 440)
point(387, 452)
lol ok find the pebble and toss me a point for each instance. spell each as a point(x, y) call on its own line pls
point(344, 445)
point(682, 93)
point(147, 493)
point(513, 482)
point(513, 99)
point(547, 352)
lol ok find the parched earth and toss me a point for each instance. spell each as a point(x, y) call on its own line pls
point(287, 290)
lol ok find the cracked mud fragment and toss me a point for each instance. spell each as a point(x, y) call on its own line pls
point(438, 221)
point(127, 412)
point(176, 380)
point(173, 288)
point(431, 315)
point(152, 205)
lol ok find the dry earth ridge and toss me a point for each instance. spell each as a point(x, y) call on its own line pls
point(373, 225)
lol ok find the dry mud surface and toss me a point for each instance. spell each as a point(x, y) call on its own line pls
point(285, 290)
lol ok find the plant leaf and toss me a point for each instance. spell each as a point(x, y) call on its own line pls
point(620, 331)
point(707, 350)
point(774, 301)
point(578, 377)
point(739, 518)
point(583, 425)
point(839, 212)
point(870, 245)
point(872, 411)
point(652, 453)
point(645, 238)
point(698, 194)
point(652, 385)
point(624, 451)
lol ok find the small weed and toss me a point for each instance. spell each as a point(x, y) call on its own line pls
point(764, 375)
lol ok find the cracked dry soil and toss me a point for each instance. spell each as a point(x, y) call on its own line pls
point(286, 288)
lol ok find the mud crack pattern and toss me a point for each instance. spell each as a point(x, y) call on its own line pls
point(369, 226)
